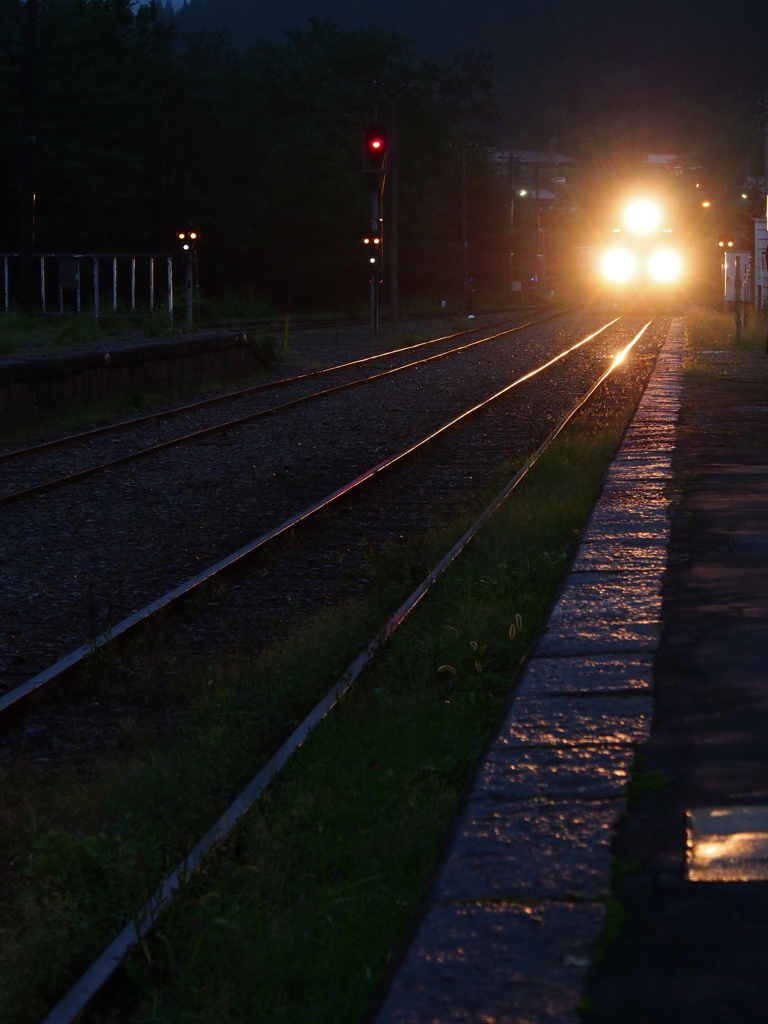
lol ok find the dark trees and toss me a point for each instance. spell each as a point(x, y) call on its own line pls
point(102, 69)
point(142, 128)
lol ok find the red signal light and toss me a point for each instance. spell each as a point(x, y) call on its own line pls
point(375, 145)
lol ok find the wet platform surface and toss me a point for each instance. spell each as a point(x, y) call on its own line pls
point(521, 897)
point(694, 946)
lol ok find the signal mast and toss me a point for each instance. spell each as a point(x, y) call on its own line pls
point(375, 148)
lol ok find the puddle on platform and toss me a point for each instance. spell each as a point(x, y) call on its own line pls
point(749, 545)
point(727, 844)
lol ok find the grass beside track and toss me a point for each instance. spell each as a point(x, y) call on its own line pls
point(296, 918)
point(711, 330)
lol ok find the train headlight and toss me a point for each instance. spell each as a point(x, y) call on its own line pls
point(665, 266)
point(619, 265)
point(642, 217)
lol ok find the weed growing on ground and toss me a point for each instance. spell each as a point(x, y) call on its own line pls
point(79, 328)
point(615, 919)
point(10, 322)
point(115, 325)
point(269, 344)
point(405, 338)
point(159, 323)
point(236, 307)
point(18, 330)
point(643, 782)
point(712, 330)
point(585, 1007)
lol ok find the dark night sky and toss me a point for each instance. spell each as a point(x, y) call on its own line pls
point(559, 64)
point(708, 41)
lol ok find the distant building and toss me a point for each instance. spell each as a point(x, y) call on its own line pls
point(541, 157)
point(535, 174)
point(669, 161)
point(539, 183)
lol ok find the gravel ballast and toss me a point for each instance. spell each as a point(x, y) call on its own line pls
point(78, 559)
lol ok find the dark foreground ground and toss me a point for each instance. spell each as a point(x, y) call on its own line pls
point(697, 952)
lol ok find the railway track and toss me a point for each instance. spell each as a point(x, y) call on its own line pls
point(78, 998)
point(85, 436)
point(397, 513)
point(15, 465)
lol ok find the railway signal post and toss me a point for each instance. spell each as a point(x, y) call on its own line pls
point(375, 148)
point(187, 239)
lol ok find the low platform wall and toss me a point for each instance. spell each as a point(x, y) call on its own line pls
point(33, 388)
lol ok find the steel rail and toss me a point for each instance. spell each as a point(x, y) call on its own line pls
point(203, 432)
point(233, 396)
point(100, 972)
point(13, 702)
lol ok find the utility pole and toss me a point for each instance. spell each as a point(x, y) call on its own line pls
point(540, 267)
point(465, 227)
point(511, 257)
point(29, 198)
point(394, 254)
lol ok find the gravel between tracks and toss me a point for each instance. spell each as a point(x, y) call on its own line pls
point(35, 469)
point(77, 560)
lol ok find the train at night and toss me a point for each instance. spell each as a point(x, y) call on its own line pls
point(643, 259)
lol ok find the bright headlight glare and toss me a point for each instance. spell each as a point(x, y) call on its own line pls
point(619, 265)
point(642, 216)
point(665, 265)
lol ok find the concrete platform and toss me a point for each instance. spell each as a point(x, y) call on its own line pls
point(694, 946)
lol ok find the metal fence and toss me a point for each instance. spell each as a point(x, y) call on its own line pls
point(100, 284)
